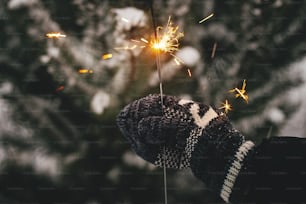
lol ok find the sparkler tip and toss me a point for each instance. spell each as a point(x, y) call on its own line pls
point(167, 38)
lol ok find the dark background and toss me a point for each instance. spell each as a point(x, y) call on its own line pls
point(58, 139)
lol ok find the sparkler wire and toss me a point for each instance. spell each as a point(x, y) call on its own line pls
point(158, 65)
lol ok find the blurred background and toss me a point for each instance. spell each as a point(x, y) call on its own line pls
point(59, 142)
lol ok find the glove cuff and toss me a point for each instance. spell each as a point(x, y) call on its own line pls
point(219, 155)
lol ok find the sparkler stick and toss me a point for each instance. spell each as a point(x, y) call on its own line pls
point(158, 65)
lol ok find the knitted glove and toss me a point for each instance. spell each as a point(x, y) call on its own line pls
point(184, 133)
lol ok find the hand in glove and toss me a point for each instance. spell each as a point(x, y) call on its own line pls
point(184, 133)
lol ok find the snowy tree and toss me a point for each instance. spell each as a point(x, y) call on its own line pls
point(59, 140)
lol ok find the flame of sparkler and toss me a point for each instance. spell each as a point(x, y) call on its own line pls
point(167, 38)
point(167, 41)
point(55, 35)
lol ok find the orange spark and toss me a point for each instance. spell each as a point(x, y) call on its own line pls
point(241, 92)
point(55, 35)
point(107, 56)
point(226, 106)
point(85, 71)
point(60, 88)
point(206, 18)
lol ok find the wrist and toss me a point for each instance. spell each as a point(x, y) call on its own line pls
point(219, 155)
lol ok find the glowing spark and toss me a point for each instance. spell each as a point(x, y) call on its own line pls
point(206, 18)
point(167, 38)
point(107, 56)
point(125, 20)
point(133, 47)
point(226, 106)
point(144, 40)
point(136, 41)
point(55, 35)
point(60, 88)
point(241, 92)
point(189, 72)
point(214, 50)
point(126, 48)
point(85, 71)
point(177, 61)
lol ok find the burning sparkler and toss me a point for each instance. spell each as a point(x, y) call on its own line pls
point(167, 38)
point(226, 106)
point(55, 35)
point(241, 92)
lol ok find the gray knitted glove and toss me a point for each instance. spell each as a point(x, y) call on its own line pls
point(177, 128)
point(186, 134)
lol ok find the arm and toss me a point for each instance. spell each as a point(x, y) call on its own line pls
point(197, 136)
point(275, 172)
